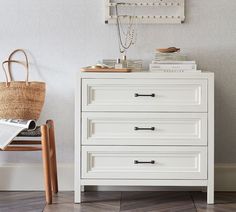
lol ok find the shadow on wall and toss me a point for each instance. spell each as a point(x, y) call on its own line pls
point(222, 62)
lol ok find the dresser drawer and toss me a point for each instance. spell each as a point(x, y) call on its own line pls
point(144, 128)
point(144, 162)
point(183, 95)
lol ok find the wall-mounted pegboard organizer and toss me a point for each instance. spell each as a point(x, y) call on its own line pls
point(146, 11)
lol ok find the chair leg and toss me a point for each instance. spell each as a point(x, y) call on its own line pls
point(53, 159)
point(46, 163)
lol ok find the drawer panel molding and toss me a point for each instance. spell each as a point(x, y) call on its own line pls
point(109, 162)
point(144, 95)
point(144, 128)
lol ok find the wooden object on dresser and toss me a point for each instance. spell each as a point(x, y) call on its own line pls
point(43, 139)
point(105, 70)
point(144, 129)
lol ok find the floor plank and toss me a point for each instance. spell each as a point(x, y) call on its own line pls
point(65, 197)
point(157, 201)
point(224, 202)
point(92, 202)
point(22, 201)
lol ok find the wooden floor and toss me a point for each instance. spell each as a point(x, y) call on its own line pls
point(117, 201)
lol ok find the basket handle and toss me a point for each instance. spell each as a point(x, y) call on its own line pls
point(10, 78)
point(9, 61)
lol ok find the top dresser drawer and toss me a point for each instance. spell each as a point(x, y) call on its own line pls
point(183, 95)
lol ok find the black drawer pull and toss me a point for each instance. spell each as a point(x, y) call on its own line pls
point(139, 128)
point(151, 95)
point(144, 162)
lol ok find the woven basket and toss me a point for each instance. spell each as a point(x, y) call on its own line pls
point(20, 99)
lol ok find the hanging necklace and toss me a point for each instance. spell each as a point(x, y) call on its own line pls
point(129, 34)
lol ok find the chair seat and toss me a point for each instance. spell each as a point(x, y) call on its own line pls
point(30, 133)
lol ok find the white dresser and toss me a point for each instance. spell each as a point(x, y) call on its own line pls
point(144, 129)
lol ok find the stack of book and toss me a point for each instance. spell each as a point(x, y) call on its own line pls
point(172, 62)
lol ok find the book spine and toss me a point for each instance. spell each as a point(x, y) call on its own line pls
point(173, 66)
point(173, 62)
point(175, 71)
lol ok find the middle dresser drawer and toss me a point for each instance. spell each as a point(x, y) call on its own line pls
point(144, 128)
point(153, 95)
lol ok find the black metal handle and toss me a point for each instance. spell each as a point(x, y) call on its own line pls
point(151, 95)
point(139, 128)
point(141, 162)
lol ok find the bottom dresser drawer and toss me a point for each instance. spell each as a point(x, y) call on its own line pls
point(142, 162)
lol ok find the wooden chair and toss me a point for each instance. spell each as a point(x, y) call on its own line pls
point(46, 144)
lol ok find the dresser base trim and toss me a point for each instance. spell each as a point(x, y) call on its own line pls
point(144, 182)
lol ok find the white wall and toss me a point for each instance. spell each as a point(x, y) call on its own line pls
point(64, 35)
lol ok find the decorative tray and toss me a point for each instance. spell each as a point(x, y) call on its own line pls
point(89, 69)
